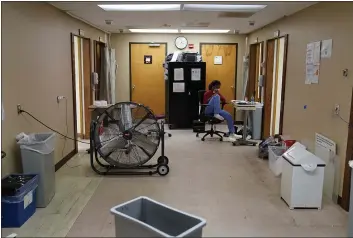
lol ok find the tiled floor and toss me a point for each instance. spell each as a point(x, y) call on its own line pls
point(228, 186)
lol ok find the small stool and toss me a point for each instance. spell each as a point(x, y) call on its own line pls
point(162, 117)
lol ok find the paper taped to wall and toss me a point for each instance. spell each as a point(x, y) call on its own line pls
point(312, 73)
point(312, 62)
point(326, 48)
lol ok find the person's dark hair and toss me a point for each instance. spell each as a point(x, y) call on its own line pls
point(216, 84)
point(213, 84)
point(210, 86)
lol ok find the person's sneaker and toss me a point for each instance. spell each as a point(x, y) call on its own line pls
point(232, 134)
point(233, 137)
point(219, 117)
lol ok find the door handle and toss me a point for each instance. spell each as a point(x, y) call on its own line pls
point(133, 87)
point(232, 87)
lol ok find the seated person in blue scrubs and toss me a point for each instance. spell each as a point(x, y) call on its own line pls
point(213, 99)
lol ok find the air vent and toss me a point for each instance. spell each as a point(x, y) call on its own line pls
point(235, 14)
point(196, 24)
point(108, 22)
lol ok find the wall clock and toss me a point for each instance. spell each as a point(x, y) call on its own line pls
point(181, 42)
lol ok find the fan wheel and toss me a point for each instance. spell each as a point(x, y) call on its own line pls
point(163, 169)
point(127, 135)
point(163, 160)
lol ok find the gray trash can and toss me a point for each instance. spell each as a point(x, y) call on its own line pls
point(37, 152)
point(256, 121)
point(144, 217)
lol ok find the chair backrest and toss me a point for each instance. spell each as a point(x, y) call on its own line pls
point(202, 108)
point(200, 95)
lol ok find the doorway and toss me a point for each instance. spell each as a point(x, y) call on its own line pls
point(274, 86)
point(98, 66)
point(147, 85)
point(221, 64)
point(81, 78)
point(254, 89)
point(346, 193)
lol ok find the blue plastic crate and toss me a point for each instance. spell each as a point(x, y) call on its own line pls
point(16, 210)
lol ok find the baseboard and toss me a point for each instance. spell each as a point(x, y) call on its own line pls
point(65, 159)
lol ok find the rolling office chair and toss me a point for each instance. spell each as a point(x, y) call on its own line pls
point(160, 118)
point(209, 119)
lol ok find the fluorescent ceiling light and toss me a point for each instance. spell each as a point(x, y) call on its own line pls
point(154, 30)
point(203, 31)
point(222, 7)
point(140, 7)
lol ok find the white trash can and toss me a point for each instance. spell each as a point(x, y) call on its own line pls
point(275, 160)
point(37, 153)
point(144, 217)
point(302, 179)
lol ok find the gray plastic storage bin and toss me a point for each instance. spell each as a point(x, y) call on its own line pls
point(37, 152)
point(144, 217)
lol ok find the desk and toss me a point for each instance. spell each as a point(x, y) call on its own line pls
point(246, 108)
point(96, 111)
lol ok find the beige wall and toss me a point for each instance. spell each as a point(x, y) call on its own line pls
point(327, 20)
point(36, 68)
point(121, 44)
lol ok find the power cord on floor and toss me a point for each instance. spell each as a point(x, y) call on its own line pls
point(67, 137)
point(29, 114)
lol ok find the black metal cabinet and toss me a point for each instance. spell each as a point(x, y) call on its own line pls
point(183, 105)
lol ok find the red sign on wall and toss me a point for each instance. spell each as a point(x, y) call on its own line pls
point(191, 46)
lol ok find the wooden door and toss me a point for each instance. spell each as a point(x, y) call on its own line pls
point(251, 87)
point(87, 88)
point(98, 55)
point(225, 72)
point(147, 80)
point(270, 49)
point(346, 191)
point(275, 83)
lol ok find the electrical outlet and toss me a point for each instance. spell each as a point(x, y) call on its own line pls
point(59, 98)
point(337, 109)
point(19, 110)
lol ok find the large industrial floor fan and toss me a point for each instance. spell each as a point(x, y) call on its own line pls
point(124, 138)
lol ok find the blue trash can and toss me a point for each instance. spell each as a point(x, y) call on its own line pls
point(18, 207)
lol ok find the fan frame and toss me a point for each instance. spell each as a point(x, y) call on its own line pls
point(149, 114)
point(108, 169)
